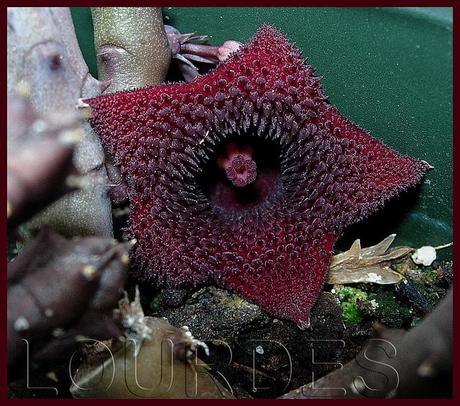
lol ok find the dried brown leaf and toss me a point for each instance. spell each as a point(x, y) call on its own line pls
point(367, 265)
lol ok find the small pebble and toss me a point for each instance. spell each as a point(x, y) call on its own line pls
point(424, 256)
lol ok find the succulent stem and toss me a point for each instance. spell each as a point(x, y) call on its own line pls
point(131, 46)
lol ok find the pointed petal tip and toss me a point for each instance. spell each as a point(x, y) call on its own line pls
point(269, 32)
point(266, 27)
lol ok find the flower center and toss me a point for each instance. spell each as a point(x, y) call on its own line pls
point(243, 172)
point(240, 168)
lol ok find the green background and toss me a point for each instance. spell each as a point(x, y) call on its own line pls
point(387, 69)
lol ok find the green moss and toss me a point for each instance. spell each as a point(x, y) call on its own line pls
point(400, 267)
point(430, 276)
point(351, 312)
point(385, 308)
point(358, 305)
point(349, 301)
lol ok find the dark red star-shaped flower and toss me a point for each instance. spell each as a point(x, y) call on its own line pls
point(246, 176)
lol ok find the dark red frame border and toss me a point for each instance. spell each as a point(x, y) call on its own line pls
point(241, 3)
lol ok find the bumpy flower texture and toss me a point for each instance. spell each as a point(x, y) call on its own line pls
point(246, 176)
